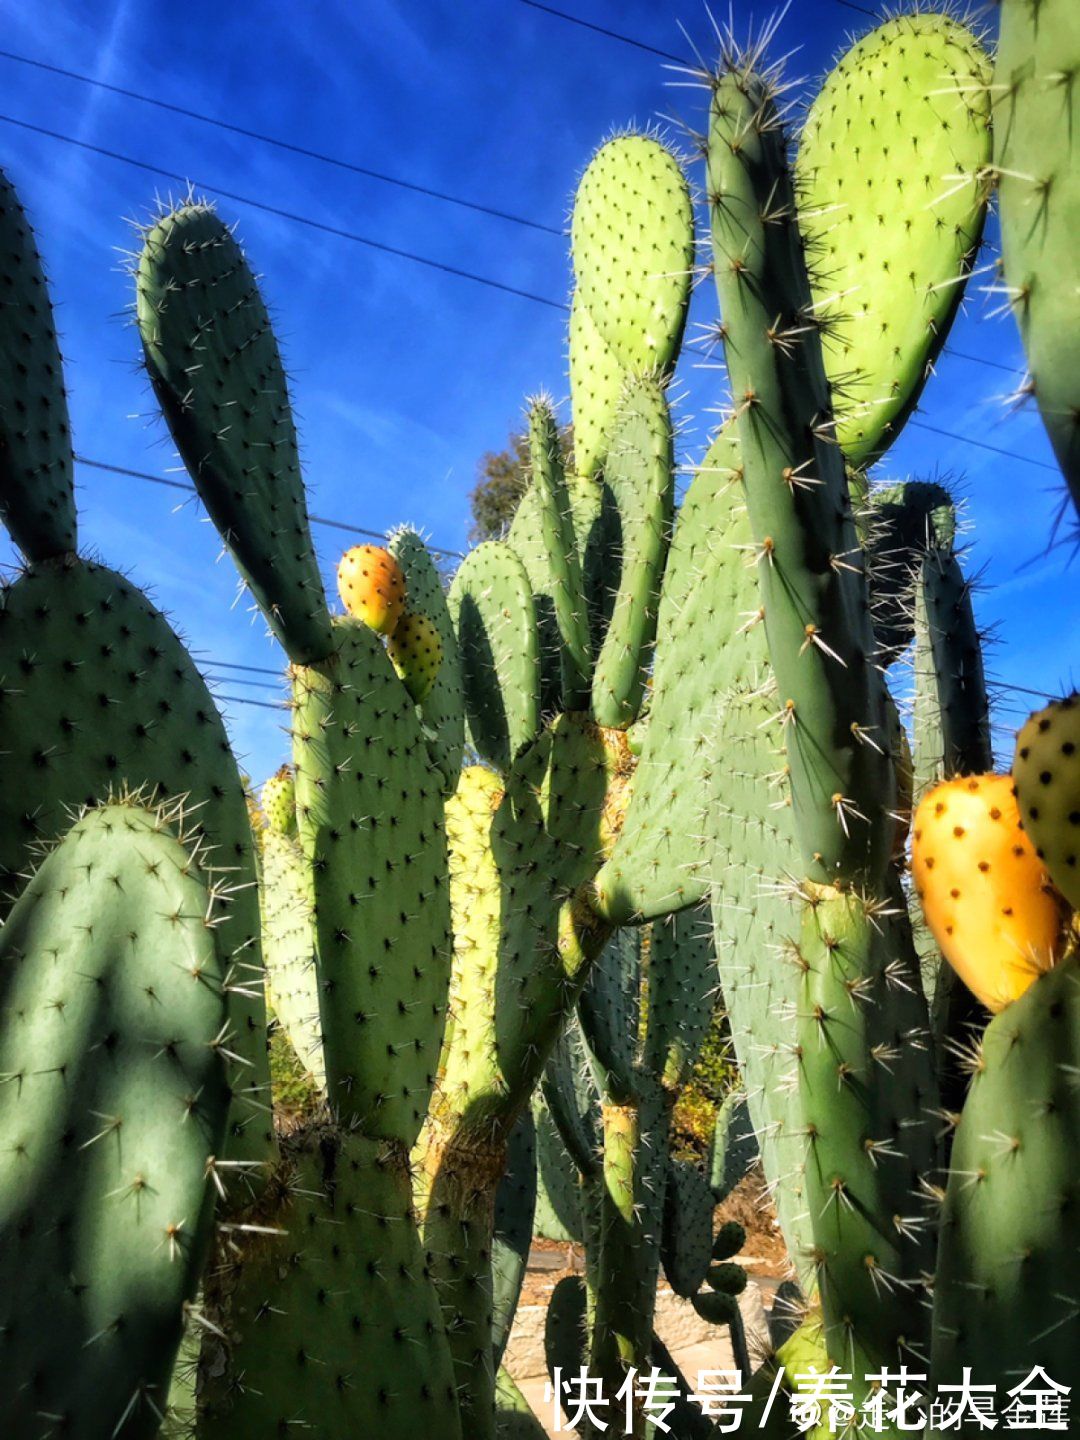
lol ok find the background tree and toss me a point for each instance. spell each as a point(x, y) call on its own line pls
point(501, 477)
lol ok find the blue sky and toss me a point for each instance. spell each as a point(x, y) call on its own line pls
point(403, 376)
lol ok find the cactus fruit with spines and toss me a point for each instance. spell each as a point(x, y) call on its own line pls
point(890, 177)
point(277, 801)
point(372, 587)
point(113, 1038)
point(984, 891)
point(1038, 178)
point(1046, 773)
point(415, 651)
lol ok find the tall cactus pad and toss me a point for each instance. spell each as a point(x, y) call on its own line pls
point(709, 593)
point(687, 1238)
point(633, 246)
point(370, 815)
point(278, 802)
point(288, 943)
point(332, 1327)
point(892, 195)
point(870, 1125)
point(812, 586)
point(640, 474)
point(99, 696)
point(563, 560)
point(1007, 1287)
point(596, 381)
point(1047, 775)
point(984, 892)
point(515, 1206)
point(214, 364)
point(1035, 156)
point(114, 1024)
point(37, 495)
point(492, 608)
point(443, 708)
point(681, 995)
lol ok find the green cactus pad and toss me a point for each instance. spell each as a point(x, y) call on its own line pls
point(514, 1419)
point(709, 593)
point(288, 946)
point(1035, 156)
point(734, 1145)
point(609, 1011)
point(515, 1205)
point(640, 474)
point(558, 1183)
point(37, 492)
point(332, 1327)
point(370, 814)
point(869, 1101)
point(563, 560)
point(98, 698)
point(682, 993)
point(1007, 1284)
point(564, 1327)
point(596, 382)
point(900, 524)
point(491, 605)
point(114, 1103)
point(442, 709)
point(813, 589)
point(213, 361)
point(633, 245)
point(1046, 769)
point(892, 195)
point(686, 1238)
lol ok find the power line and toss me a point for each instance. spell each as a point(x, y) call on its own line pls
point(281, 144)
point(982, 445)
point(191, 490)
point(601, 30)
point(351, 235)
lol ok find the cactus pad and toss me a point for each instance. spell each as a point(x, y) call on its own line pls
point(111, 1047)
point(37, 493)
point(278, 802)
point(892, 195)
point(214, 364)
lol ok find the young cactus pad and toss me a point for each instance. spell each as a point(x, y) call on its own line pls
point(985, 893)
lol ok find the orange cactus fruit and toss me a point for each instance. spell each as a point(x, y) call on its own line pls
point(985, 893)
point(372, 587)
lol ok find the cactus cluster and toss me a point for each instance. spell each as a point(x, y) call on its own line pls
point(633, 761)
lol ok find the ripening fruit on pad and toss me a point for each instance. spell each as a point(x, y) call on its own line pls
point(372, 587)
point(278, 801)
point(416, 653)
point(985, 893)
point(1046, 771)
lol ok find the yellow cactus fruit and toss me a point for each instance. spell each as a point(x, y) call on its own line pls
point(372, 587)
point(415, 651)
point(1046, 771)
point(985, 893)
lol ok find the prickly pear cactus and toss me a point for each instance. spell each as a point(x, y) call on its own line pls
point(112, 1043)
point(892, 193)
point(1035, 160)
